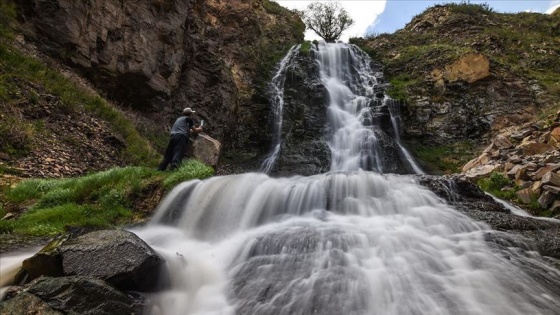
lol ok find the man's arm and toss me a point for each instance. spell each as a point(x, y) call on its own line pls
point(196, 129)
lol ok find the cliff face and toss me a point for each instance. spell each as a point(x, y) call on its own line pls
point(160, 56)
point(467, 72)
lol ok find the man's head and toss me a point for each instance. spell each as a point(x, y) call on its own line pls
point(188, 111)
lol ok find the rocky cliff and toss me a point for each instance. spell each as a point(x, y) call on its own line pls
point(467, 73)
point(156, 57)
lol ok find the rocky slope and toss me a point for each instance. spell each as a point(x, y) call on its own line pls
point(467, 73)
point(156, 57)
point(524, 161)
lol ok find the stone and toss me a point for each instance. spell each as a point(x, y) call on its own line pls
point(546, 199)
point(542, 171)
point(509, 166)
point(206, 149)
point(512, 173)
point(502, 143)
point(554, 139)
point(522, 134)
point(46, 262)
point(100, 254)
point(532, 148)
point(553, 189)
point(536, 188)
point(469, 68)
point(555, 208)
point(81, 296)
point(26, 304)
point(551, 178)
point(479, 172)
point(8, 216)
point(525, 195)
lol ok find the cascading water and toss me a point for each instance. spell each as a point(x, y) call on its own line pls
point(277, 101)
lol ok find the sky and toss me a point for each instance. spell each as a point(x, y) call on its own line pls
point(388, 16)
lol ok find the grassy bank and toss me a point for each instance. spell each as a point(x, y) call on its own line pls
point(106, 199)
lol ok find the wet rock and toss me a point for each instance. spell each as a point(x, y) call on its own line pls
point(80, 296)
point(551, 178)
point(26, 304)
point(47, 262)
point(119, 257)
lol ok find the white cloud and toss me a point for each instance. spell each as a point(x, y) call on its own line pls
point(553, 6)
point(363, 12)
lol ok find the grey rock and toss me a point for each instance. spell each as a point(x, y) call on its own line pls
point(81, 296)
point(119, 257)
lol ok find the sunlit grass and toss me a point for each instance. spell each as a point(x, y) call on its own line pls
point(99, 200)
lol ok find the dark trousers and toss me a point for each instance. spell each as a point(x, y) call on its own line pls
point(174, 152)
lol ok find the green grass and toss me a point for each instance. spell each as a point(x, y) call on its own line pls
point(443, 159)
point(305, 47)
point(103, 199)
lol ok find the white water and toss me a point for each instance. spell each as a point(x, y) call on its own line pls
point(337, 243)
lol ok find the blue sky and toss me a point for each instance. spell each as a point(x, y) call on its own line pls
point(387, 16)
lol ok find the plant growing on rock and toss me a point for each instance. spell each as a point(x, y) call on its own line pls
point(328, 20)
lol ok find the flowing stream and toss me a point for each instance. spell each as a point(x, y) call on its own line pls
point(346, 242)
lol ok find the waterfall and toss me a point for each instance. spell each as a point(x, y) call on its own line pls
point(277, 102)
point(350, 241)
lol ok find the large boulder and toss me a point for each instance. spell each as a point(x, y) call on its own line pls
point(119, 257)
point(205, 149)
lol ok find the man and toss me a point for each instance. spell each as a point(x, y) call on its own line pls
point(179, 140)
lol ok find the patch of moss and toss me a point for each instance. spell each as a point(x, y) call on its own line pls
point(305, 47)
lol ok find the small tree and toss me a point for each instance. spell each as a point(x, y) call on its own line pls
point(328, 19)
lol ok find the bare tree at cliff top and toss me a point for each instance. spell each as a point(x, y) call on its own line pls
point(328, 19)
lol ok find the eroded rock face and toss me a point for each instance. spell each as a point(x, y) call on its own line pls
point(160, 56)
point(305, 123)
point(470, 68)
